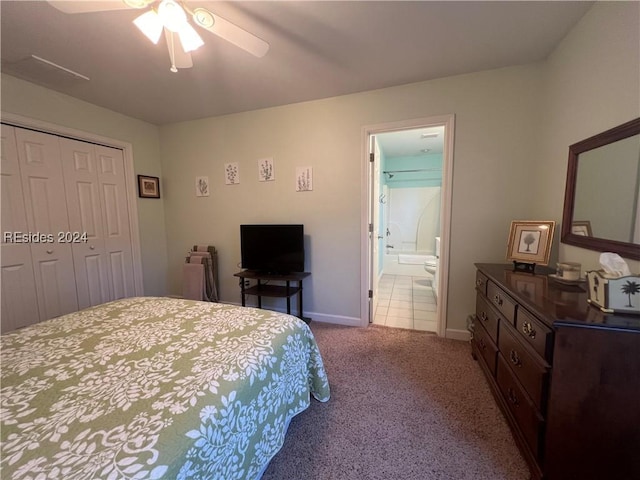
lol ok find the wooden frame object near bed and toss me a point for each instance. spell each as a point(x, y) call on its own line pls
point(150, 388)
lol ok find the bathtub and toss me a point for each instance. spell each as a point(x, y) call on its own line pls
point(406, 263)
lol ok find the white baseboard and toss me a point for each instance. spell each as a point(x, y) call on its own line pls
point(450, 333)
point(318, 317)
point(335, 319)
point(453, 334)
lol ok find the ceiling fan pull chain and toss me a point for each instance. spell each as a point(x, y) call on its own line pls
point(172, 54)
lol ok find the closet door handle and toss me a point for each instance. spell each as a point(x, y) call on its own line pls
point(92, 247)
point(49, 252)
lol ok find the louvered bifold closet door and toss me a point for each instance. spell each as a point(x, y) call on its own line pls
point(97, 203)
point(44, 197)
point(19, 301)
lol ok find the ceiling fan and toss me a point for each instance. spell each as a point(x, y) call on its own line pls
point(172, 17)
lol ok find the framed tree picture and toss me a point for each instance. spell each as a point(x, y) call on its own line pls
point(530, 241)
point(582, 228)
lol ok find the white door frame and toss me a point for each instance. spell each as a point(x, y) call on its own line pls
point(374, 219)
point(448, 121)
point(127, 149)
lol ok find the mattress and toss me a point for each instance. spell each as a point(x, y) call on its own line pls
point(150, 388)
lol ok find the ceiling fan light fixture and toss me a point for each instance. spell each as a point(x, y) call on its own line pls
point(150, 24)
point(172, 15)
point(189, 38)
point(137, 3)
point(203, 17)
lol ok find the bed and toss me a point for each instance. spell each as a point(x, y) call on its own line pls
point(154, 388)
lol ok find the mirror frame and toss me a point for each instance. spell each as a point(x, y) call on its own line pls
point(624, 249)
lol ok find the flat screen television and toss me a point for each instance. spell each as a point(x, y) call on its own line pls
point(276, 249)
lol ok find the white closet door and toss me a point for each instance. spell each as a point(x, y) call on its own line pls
point(117, 239)
point(43, 189)
point(85, 218)
point(19, 302)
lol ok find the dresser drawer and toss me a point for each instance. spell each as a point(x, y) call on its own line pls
point(488, 350)
point(489, 319)
point(481, 282)
point(501, 301)
point(528, 367)
point(529, 421)
point(535, 333)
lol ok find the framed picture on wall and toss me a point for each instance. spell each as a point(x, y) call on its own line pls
point(202, 186)
point(148, 187)
point(530, 241)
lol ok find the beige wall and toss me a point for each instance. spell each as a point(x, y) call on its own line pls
point(494, 158)
point(592, 83)
point(38, 103)
point(513, 129)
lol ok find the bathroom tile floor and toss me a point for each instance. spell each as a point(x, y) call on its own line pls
point(406, 302)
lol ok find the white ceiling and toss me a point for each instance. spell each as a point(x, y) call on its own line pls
point(317, 50)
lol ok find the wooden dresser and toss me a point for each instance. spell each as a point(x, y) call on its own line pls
point(565, 375)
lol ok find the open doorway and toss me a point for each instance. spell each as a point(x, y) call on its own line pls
point(408, 207)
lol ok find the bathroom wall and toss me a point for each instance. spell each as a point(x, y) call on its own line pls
point(413, 201)
point(411, 211)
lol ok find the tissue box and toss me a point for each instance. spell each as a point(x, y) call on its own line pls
point(621, 294)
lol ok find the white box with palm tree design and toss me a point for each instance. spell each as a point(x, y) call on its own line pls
point(619, 294)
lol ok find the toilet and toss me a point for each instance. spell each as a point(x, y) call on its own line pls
point(431, 265)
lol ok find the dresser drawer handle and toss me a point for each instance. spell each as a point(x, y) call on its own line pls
point(528, 330)
point(498, 300)
point(513, 398)
point(515, 359)
point(484, 316)
point(479, 282)
point(482, 344)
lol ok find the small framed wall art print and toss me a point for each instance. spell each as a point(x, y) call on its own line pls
point(148, 187)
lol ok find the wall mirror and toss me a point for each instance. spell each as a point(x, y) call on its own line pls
point(602, 196)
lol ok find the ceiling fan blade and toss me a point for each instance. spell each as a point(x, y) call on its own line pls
point(230, 32)
point(179, 58)
point(87, 6)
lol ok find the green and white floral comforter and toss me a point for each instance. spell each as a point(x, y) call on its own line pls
point(150, 388)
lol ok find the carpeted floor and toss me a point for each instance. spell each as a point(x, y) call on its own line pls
point(404, 405)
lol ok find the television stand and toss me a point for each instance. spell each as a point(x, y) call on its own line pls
point(267, 290)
